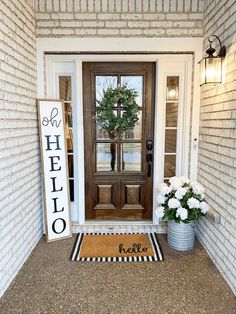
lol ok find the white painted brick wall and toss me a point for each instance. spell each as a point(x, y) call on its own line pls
point(217, 154)
point(20, 186)
point(95, 18)
point(20, 192)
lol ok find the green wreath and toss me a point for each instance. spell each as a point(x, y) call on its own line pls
point(105, 114)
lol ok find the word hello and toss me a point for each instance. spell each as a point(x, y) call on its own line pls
point(136, 248)
point(55, 167)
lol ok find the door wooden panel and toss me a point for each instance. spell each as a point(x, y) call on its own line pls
point(118, 167)
point(133, 195)
point(104, 197)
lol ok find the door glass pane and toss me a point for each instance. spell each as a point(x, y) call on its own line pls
point(131, 156)
point(68, 127)
point(172, 90)
point(69, 140)
point(136, 132)
point(171, 114)
point(70, 166)
point(71, 183)
point(102, 128)
point(106, 157)
point(134, 82)
point(170, 141)
point(169, 170)
point(102, 84)
point(68, 115)
point(65, 88)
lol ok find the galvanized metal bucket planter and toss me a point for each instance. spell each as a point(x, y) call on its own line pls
point(181, 236)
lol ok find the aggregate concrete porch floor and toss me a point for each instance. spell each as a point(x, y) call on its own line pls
point(183, 283)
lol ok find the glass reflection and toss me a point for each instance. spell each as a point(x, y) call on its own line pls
point(103, 134)
point(106, 157)
point(172, 88)
point(131, 156)
point(171, 114)
point(70, 166)
point(68, 115)
point(69, 140)
point(169, 170)
point(71, 183)
point(136, 132)
point(134, 82)
point(102, 84)
point(65, 88)
point(170, 141)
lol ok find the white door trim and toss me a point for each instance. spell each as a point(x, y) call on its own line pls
point(160, 45)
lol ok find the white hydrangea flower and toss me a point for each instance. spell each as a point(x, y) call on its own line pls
point(160, 212)
point(197, 188)
point(204, 207)
point(184, 180)
point(163, 188)
point(175, 183)
point(182, 213)
point(173, 203)
point(160, 199)
point(193, 203)
point(179, 194)
point(202, 196)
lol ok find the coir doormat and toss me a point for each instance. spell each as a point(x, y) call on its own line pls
point(129, 247)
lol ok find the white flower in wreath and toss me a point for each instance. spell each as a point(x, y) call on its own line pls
point(204, 207)
point(160, 199)
point(163, 189)
point(179, 194)
point(193, 203)
point(173, 203)
point(197, 188)
point(160, 211)
point(175, 183)
point(182, 213)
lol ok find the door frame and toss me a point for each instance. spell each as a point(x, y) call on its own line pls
point(192, 50)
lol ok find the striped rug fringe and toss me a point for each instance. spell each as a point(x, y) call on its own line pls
point(158, 254)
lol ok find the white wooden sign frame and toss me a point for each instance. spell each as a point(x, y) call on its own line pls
point(51, 117)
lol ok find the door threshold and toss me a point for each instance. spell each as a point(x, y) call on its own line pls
point(118, 227)
point(118, 222)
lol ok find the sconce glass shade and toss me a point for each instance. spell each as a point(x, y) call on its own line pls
point(211, 70)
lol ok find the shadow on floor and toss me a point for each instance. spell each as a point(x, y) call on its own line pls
point(184, 283)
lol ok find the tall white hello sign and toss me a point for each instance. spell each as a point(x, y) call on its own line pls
point(54, 169)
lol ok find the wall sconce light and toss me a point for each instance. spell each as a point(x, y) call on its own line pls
point(172, 88)
point(211, 66)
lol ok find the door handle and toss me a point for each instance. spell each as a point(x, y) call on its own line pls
point(149, 164)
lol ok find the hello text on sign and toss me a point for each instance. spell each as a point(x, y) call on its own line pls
point(55, 174)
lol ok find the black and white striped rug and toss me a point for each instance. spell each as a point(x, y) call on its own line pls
point(116, 247)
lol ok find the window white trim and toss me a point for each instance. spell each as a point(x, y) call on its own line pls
point(161, 46)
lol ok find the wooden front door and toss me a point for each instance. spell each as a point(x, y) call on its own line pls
point(118, 168)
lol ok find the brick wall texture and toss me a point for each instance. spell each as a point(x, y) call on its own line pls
point(217, 155)
point(20, 186)
point(120, 18)
point(20, 190)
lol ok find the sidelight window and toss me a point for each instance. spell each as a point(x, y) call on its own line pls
point(171, 125)
point(66, 95)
